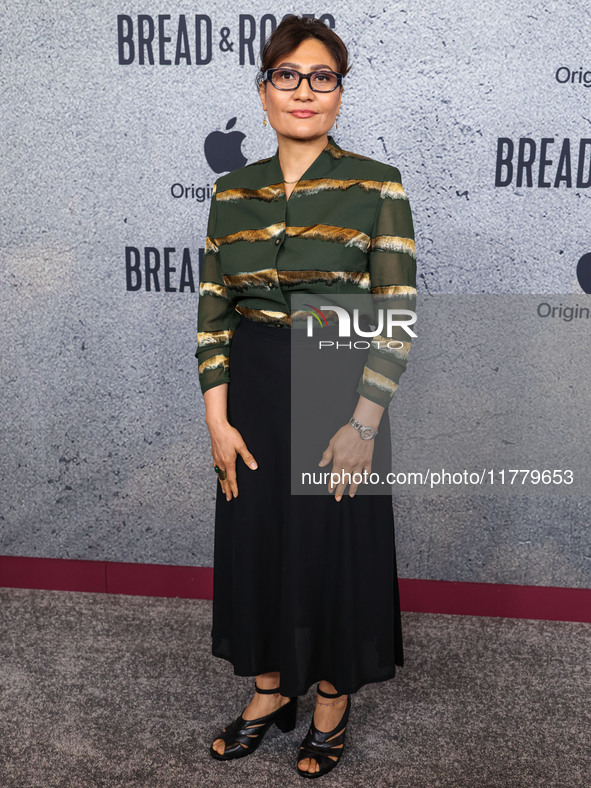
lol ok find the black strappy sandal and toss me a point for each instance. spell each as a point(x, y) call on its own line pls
point(242, 737)
point(316, 743)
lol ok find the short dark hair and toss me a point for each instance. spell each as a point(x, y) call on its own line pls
point(290, 33)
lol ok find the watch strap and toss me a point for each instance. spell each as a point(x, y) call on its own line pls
point(367, 433)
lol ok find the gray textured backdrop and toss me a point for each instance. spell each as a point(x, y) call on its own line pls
point(104, 449)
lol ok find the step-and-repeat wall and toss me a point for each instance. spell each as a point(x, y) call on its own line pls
point(116, 120)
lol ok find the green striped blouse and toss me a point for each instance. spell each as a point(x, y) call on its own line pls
point(347, 228)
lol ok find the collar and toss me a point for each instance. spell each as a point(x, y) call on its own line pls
point(323, 164)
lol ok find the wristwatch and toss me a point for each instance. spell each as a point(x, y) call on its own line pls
point(367, 433)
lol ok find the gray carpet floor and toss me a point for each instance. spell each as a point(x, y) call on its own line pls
point(108, 690)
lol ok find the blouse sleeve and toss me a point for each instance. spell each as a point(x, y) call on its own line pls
point(392, 268)
point(216, 319)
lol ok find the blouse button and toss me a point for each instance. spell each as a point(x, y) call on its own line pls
point(277, 241)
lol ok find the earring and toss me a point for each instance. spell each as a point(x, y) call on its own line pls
point(264, 118)
point(337, 122)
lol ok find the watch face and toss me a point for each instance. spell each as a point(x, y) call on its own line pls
point(366, 433)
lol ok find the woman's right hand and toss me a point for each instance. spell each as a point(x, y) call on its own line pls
point(226, 444)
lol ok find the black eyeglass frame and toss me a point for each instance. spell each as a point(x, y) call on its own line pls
point(270, 71)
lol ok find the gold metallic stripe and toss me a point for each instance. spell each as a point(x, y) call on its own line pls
point(264, 234)
point(319, 232)
point(301, 314)
point(264, 279)
point(213, 363)
point(266, 193)
point(223, 337)
point(328, 232)
point(210, 288)
point(263, 315)
point(313, 186)
point(290, 278)
point(393, 190)
point(373, 378)
point(260, 161)
point(393, 243)
point(340, 154)
point(210, 246)
point(266, 316)
point(394, 290)
point(324, 232)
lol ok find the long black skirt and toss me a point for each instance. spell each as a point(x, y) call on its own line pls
point(303, 584)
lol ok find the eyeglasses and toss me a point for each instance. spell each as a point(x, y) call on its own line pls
point(290, 79)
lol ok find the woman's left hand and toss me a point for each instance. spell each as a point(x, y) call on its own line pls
point(349, 454)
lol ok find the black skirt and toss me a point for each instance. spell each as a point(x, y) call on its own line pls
point(303, 584)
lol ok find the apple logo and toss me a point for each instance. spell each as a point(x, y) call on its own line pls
point(584, 272)
point(222, 151)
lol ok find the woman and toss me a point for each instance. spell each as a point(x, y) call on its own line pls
point(305, 586)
